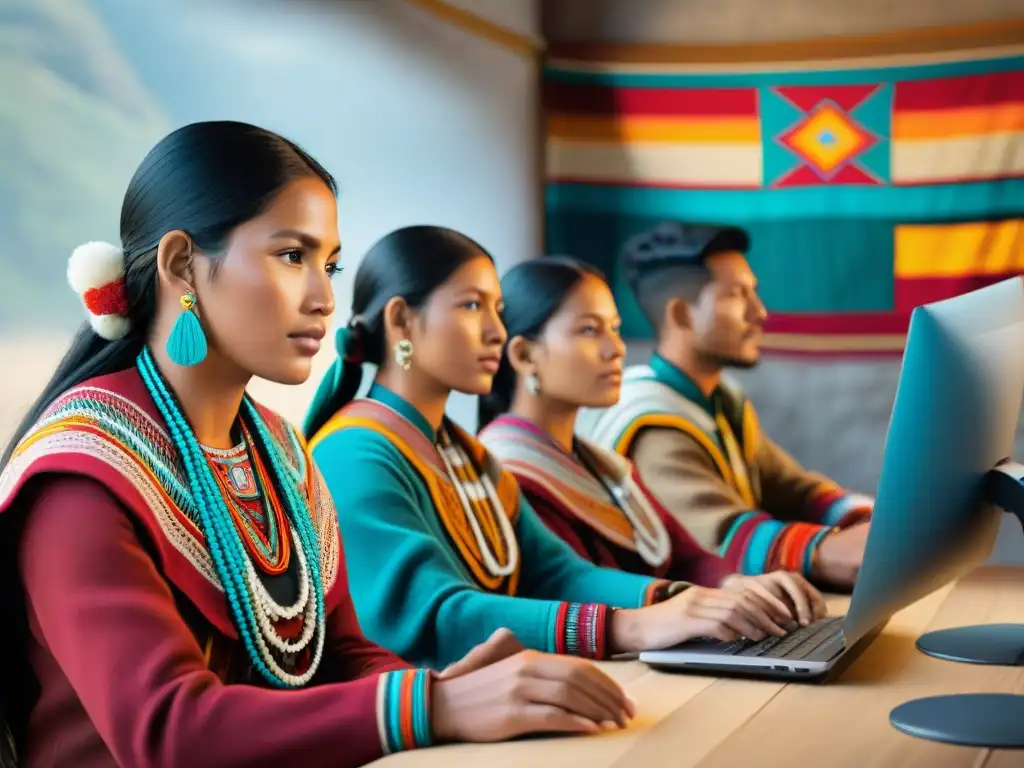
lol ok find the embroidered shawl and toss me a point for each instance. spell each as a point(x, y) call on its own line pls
point(585, 494)
point(110, 430)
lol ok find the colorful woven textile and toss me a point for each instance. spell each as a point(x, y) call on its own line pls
point(870, 182)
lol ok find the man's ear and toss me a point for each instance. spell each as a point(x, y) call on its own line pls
point(678, 314)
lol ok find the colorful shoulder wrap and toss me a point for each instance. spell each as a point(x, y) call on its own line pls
point(557, 476)
point(647, 402)
point(108, 429)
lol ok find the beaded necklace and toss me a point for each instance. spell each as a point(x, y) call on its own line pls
point(261, 522)
point(266, 628)
point(649, 532)
point(480, 502)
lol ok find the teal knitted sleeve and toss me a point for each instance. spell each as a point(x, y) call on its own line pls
point(552, 570)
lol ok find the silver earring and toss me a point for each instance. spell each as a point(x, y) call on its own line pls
point(533, 384)
point(403, 354)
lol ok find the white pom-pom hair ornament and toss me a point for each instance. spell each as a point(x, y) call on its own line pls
point(96, 274)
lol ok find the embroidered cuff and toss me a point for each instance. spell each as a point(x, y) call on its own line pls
point(792, 547)
point(810, 556)
point(848, 509)
point(823, 498)
point(403, 710)
point(735, 546)
point(581, 629)
point(777, 546)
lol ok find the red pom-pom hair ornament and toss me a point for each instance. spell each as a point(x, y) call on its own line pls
point(96, 273)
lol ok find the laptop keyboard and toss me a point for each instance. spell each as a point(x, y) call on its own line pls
point(819, 641)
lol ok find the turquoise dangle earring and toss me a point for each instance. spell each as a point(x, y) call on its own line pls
point(186, 345)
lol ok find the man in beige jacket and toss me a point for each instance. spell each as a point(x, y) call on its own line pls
point(695, 438)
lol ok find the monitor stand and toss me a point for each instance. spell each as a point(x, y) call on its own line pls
point(981, 719)
point(1001, 644)
point(990, 720)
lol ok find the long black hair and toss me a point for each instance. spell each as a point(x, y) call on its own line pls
point(412, 263)
point(205, 179)
point(532, 291)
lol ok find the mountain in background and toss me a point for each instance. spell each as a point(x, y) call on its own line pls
point(75, 121)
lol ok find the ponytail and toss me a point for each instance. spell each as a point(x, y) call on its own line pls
point(341, 382)
point(88, 357)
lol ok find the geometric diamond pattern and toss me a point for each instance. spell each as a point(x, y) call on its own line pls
point(827, 138)
point(826, 135)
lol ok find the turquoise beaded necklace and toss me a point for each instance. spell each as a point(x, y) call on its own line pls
point(251, 605)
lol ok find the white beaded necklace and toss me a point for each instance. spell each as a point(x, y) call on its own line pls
point(651, 536)
point(269, 611)
point(649, 531)
point(452, 454)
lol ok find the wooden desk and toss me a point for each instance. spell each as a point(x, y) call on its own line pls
point(690, 721)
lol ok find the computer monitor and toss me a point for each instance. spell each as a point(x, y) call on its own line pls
point(946, 462)
point(954, 419)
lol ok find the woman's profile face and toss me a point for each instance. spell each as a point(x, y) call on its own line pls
point(458, 336)
point(267, 303)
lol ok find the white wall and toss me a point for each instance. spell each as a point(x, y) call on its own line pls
point(520, 16)
point(432, 126)
point(420, 123)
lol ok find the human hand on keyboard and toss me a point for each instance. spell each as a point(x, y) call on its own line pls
point(788, 597)
point(694, 612)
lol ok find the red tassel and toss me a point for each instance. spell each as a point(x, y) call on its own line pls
point(110, 299)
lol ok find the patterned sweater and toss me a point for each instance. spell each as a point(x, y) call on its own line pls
point(710, 465)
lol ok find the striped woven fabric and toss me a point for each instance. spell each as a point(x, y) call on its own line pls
point(888, 174)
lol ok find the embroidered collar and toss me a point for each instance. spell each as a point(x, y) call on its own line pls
point(404, 408)
point(670, 374)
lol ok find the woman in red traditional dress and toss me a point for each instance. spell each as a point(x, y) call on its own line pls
point(171, 567)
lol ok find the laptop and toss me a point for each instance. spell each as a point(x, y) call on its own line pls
point(956, 412)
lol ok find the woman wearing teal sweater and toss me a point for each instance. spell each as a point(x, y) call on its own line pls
point(442, 550)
